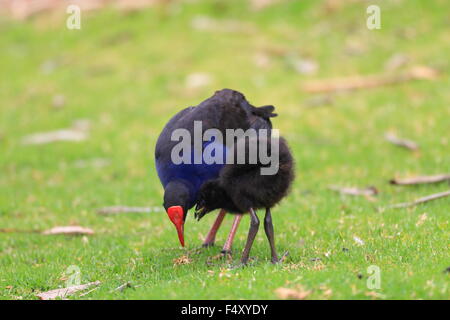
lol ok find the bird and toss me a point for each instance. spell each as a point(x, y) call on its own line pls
point(242, 188)
point(226, 109)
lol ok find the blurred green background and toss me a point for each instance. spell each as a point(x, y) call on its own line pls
point(115, 82)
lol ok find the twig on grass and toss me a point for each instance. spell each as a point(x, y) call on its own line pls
point(64, 292)
point(123, 286)
point(87, 292)
point(421, 200)
point(421, 179)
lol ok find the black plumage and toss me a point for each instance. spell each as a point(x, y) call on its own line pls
point(226, 109)
point(242, 188)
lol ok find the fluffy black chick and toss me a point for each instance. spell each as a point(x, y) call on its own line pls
point(242, 188)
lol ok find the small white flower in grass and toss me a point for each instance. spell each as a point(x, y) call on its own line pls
point(358, 240)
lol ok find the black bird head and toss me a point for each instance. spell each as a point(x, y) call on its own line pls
point(210, 197)
point(176, 203)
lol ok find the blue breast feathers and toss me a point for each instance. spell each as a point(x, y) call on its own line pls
point(212, 161)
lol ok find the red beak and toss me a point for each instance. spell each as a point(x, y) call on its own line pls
point(176, 215)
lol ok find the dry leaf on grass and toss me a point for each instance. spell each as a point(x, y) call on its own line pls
point(368, 192)
point(220, 256)
point(319, 100)
point(422, 219)
point(182, 260)
point(257, 5)
point(198, 80)
point(205, 23)
point(421, 179)
point(69, 230)
point(296, 294)
point(58, 101)
point(397, 61)
point(125, 209)
point(64, 292)
point(23, 9)
point(401, 142)
point(78, 132)
point(370, 81)
point(303, 65)
point(94, 163)
point(53, 136)
point(134, 5)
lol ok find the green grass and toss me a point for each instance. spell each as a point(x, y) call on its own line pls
point(126, 73)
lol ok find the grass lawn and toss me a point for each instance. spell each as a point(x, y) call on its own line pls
point(127, 74)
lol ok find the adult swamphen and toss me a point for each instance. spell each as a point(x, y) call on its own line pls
point(243, 188)
point(226, 109)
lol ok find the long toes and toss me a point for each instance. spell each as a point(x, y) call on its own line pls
point(208, 244)
point(238, 266)
point(276, 260)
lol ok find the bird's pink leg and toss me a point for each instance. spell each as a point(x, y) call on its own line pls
point(211, 237)
point(227, 246)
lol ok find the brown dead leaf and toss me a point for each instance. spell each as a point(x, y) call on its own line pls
point(198, 80)
point(59, 135)
point(368, 192)
point(78, 132)
point(296, 294)
point(401, 142)
point(221, 256)
point(370, 81)
point(69, 230)
point(396, 61)
point(64, 292)
point(125, 209)
point(182, 260)
point(421, 179)
point(257, 5)
point(422, 219)
point(206, 23)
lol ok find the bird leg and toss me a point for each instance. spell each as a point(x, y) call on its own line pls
point(227, 246)
point(211, 237)
point(254, 226)
point(268, 227)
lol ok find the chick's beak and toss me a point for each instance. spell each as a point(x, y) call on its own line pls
point(176, 215)
point(200, 211)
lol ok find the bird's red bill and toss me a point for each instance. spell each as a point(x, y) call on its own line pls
point(176, 215)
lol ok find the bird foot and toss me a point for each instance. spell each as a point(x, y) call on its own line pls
point(226, 255)
point(208, 244)
point(276, 260)
point(246, 262)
